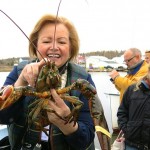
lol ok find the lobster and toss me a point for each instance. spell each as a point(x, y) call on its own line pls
point(48, 78)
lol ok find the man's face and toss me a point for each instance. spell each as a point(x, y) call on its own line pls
point(130, 59)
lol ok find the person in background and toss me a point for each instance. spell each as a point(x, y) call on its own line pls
point(147, 56)
point(137, 68)
point(56, 39)
point(134, 115)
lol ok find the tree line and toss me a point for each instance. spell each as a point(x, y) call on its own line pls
point(9, 61)
point(108, 54)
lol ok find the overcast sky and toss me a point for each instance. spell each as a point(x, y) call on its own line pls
point(101, 24)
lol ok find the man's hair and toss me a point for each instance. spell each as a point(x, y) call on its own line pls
point(147, 51)
point(136, 51)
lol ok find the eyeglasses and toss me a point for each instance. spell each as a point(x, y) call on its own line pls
point(128, 60)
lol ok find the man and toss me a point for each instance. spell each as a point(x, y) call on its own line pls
point(137, 68)
point(147, 56)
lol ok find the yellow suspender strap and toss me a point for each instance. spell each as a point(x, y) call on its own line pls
point(104, 131)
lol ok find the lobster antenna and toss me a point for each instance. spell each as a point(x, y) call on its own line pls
point(22, 32)
point(56, 22)
point(87, 2)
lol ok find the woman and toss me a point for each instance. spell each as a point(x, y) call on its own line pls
point(147, 56)
point(134, 115)
point(55, 40)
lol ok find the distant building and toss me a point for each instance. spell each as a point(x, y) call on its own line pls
point(102, 63)
point(24, 59)
point(81, 60)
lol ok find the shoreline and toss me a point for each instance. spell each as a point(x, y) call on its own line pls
point(9, 68)
point(5, 68)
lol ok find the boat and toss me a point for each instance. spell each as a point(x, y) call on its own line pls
point(3, 131)
point(114, 104)
point(4, 140)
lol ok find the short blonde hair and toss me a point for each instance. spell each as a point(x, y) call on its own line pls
point(142, 78)
point(73, 35)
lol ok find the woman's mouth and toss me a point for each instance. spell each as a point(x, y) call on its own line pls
point(54, 56)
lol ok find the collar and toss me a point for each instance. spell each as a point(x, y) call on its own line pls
point(145, 84)
point(63, 68)
point(64, 79)
point(134, 70)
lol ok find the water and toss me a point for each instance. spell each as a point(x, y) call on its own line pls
point(3, 76)
point(103, 85)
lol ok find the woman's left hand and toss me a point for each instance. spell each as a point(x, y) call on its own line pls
point(59, 106)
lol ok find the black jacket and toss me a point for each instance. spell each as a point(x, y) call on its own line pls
point(134, 115)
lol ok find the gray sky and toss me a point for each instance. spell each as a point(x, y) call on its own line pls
point(101, 24)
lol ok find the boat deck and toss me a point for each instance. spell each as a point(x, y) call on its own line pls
point(3, 131)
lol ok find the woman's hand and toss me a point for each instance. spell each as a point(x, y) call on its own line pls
point(29, 74)
point(62, 110)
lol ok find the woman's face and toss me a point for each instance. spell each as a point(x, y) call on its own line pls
point(54, 47)
point(147, 57)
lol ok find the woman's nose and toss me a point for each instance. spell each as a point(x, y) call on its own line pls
point(54, 49)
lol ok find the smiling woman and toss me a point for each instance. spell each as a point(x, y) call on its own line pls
point(54, 43)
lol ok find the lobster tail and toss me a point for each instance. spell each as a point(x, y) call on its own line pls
point(100, 123)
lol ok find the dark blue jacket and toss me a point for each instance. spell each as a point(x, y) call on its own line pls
point(16, 117)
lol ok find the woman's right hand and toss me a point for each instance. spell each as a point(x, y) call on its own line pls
point(29, 74)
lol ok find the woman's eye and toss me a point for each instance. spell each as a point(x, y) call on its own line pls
point(62, 42)
point(46, 41)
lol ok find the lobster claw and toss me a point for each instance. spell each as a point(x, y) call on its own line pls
point(5, 94)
